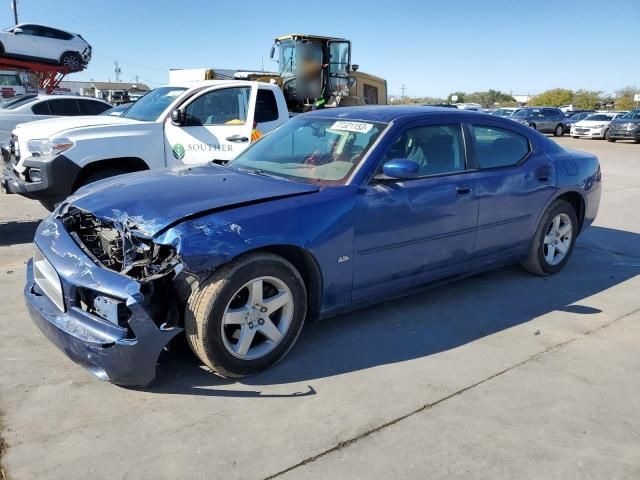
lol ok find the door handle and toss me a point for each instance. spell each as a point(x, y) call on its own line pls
point(463, 189)
point(237, 138)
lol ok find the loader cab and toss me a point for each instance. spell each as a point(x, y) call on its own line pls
point(312, 69)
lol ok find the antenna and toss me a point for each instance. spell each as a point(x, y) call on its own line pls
point(118, 71)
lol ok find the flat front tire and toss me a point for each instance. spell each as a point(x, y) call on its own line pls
point(247, 315)
point(553, 240)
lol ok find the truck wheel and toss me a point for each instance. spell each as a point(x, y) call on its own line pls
point(100, 175)
point(553, 241)
point(247, 316)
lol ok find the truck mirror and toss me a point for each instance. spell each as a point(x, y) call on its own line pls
point(177, 118)
point(355, 67)
point(273, 51)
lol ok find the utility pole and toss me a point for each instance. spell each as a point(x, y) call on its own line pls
point(403, 89)
point(118, 71)
point(14, 7)
point(137, 80)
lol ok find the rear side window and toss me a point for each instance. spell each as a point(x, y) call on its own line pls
point(64, 107)
point(41, 108)
point(498, 147)
point(90, 107)
point(437, 149)
point(266, 106)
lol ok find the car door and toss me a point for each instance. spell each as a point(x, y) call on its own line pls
point(217, 125)
point(411, 231)
point(514, 180)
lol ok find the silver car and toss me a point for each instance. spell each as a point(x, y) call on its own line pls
point(543, 119)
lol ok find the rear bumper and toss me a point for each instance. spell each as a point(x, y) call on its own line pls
point(125, 355)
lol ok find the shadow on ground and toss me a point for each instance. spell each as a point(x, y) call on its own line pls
point(16, 232)
point(421, 324)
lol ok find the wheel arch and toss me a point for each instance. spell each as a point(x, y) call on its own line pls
point(577, 202)
point(306, 264)
point(130, 164)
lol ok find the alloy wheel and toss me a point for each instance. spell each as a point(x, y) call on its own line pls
point(71, 62)
point(257, 318)
point(557, 240)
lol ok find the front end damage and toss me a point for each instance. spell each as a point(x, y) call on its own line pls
point(106, 294)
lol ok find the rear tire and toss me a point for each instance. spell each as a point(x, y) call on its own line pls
point(606, 134)
point(559, 131)
point(553, 240)
point(225, 310)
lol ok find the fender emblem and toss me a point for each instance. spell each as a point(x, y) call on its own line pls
point(343, 258)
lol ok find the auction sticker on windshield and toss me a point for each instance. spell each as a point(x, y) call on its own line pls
point(358, 127)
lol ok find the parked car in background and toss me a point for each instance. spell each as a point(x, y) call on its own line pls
point(505, 111)
point(189, 123)
point(543, 119)
point(595, 126)
point(30, 108)
point(11, 84)
point(28, 41)
point(118, 109)
point(568, 123)
point(625, 127)
point(240, 256)
point(474, 107)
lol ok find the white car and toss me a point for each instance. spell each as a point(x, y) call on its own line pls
point(38, 107)
point(27, 41)
point(594, 126)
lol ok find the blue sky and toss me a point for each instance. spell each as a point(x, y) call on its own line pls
point(433, 47)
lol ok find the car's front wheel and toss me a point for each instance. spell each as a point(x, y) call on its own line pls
point(554, 239)
point(559, 131)
point(72, 61)
point(247, 316)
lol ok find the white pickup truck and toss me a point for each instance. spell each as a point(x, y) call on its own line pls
point(177, 124)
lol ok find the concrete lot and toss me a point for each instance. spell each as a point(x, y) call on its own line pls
point(503, 375)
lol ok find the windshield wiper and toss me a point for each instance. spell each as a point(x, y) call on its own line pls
point(262, 173)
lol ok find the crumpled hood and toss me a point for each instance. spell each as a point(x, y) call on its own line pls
point(52, 126)
point(152, 201)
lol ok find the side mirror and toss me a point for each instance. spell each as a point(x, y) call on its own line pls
point(273, 51)
point(400, 168)
point(17, 30)
point(355, 67)
point(177, 117)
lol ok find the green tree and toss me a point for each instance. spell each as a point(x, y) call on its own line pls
point(624, 98)
point(461, 97)
point(553, 98)
point(587, 99)
point(489, 98)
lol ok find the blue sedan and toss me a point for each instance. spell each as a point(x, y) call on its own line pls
point(335, 210)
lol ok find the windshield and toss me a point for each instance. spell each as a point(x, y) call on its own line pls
point(10, 80)
point(600, 117)
point(149, 107)
point(18, 102)
point(632, 115)
point(311, 150)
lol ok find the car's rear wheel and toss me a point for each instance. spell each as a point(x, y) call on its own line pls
point(559, 131)
point(72, 61)
point(247, 316)
point(554, 239)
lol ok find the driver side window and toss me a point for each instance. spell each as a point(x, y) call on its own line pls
point(226, 106)
point(437, 149)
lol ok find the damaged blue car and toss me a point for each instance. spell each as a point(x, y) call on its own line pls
point(337, 209)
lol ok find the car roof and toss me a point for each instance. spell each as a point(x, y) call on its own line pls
point(44, 26)
point(73, 97)
point(387, 113)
